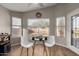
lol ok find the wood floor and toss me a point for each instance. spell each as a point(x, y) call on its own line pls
point(39, 51)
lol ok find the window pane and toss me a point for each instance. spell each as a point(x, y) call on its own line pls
point(61, 31)
point(77, 22)
point(38, 26)
point(74, 23)
point(44, 31)
point(38, 22)
point(60, 21)
point(32, 31)
point(75, 31)
point(16, 32)
point(16, 26)
point(75, 27)
point(16, 21)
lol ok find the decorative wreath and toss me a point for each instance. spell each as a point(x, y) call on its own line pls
point(38, 15)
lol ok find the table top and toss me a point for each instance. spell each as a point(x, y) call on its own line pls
point(39, 38)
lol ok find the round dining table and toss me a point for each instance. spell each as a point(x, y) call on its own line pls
point(39, 39)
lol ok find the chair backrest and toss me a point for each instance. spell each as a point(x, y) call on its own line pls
point(24, 38)
point(51, 40)
point(25, 33)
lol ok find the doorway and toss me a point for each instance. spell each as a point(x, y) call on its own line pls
point(75, 31)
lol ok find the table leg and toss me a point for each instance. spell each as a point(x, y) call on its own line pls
point(44, 48)
point(33, 48)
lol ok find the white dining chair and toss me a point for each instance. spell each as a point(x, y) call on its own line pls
point(50, 42)
point(25, 42)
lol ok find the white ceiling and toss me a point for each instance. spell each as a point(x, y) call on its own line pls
point(25, 7)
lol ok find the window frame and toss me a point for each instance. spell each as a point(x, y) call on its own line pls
point(17, 25)
point(62, 26)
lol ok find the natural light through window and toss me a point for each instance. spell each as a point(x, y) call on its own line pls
point(75, 27)
point(16, 27)
point(60, 26)
point(38, 27)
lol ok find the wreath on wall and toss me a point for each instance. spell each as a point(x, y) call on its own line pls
point(38, 15)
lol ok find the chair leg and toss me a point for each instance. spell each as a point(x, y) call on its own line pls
point(44, 47)
point(21, 51)
point(33, 48)
point(49, 51)
point(54, 50)
point(46, 52)
point(33, 51)
point(27, 51)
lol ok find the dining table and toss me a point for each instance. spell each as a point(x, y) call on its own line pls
point(39, 39)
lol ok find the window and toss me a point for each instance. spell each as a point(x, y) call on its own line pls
point(38, 27)
point(75, 31)
point(16, 27)
point(60, 26)
point(75, 27)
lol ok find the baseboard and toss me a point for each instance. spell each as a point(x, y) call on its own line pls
point(62, 45)
point(15, 44)
point(74, 49)
point(68, 48)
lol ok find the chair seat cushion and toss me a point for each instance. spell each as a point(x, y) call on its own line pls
point(27, 45)
point(49, 45)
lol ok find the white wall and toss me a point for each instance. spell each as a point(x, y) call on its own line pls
point(4, 20)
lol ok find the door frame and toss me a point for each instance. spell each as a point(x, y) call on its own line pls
point(69, 22)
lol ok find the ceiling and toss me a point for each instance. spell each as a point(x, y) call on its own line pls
point(25, 7)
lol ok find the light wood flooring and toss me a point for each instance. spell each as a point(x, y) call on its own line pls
point(39, 51)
